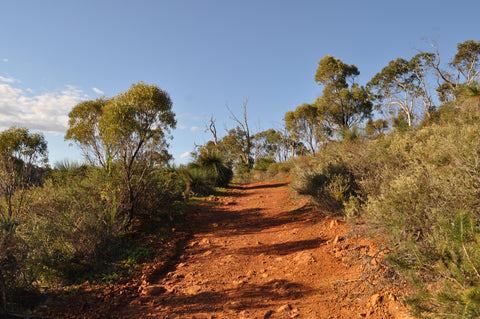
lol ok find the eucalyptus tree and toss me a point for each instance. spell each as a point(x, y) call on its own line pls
point(308, 125)
point(267, 144)
point(402, 85)
point(21, 152)
point(128, 131)
point(237, 146)
point(239, 139)
point(344, 102)
point(463, 72)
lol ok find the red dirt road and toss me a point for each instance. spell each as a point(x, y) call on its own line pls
point(259, 254)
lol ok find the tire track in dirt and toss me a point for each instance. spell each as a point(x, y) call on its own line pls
point(260, 254)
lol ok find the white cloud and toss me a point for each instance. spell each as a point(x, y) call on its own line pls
point(9, 80)
point(191, 128)
point(47, 112)
point(5, 60)
point(192, 117)
point(98, 91)
point(185, 155)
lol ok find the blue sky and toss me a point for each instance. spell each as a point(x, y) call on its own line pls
point(54, 54)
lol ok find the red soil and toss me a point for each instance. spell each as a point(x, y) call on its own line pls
point(258, 253)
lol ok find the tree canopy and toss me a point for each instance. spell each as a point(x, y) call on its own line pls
point(307, 124)
point(402, 84)
point(128, 130)
point(344, 102)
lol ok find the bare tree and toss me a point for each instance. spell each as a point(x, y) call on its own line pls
point(211, 127)
point(242, 126)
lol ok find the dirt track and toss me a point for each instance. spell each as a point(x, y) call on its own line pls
point(260, 254)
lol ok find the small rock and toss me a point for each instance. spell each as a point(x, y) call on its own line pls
point(392, 297)
point(239, 282)
point(375, 300)
point(207, 253)
point(233, 306)
point(284, 308)
point(193, 290)
point(205, 241)
point(268, 313)
point(251, 273)
point(333, 223)
point(154, 290)
point(336, 240)
point(295, 313)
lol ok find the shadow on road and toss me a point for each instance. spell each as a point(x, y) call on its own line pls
point(248, 296)
point(282, 248)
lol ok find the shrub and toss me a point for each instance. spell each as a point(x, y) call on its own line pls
point(243, 172)
point(421, 190)
point(161, 191)
point(263, 163)
point(72, 224)
point(208, 171)
point(329, 186)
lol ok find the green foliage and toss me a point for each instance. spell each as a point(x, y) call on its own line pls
point(307, 124)
point(72, 224)
point(207, 172)
point(463, 71)
point(344, 102)
point(236, 145)
point(401, 123)
point(329, 186)
point(401, 86)
point(163, 189)
point(20, 152)
point(243, 172)
point(420, 189)
point(127, 133)
point(263, 163)
point(376, 128)
point(466, 60)
point(351, 134)
point(268, 143)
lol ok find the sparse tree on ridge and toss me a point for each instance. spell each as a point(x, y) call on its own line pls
point(344, 102)
point(240, 138)
point(307, 124)
point(402, 84)
point(463, 71)
point(267, 144)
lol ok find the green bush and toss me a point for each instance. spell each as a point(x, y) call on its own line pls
point(263, 163)
point(210, 170)
point(161, 190)
point(421, 190)
point(71, 224)
point(329, 186)
point(243, 172)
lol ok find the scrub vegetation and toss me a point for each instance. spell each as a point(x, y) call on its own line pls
point(398, 156)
